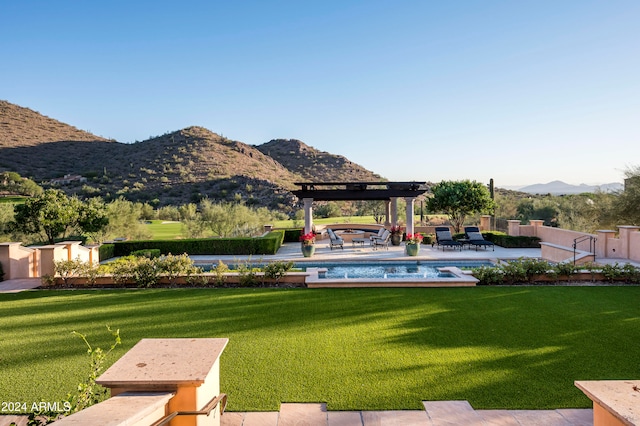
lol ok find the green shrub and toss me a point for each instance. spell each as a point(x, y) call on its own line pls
point(247, 276)
point(292, 235)
point(277, 270)
point(489, 275)
point(176, 266)
point(269, 244)
point(106, 251)
point(565, 269)
point(219, 272)
point(503, 240)
point(150, 253)
point(627, 273)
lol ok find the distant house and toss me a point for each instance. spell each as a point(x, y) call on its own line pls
point(68, 179)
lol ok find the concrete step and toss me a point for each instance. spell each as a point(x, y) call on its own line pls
point(436, 413)
point(451, 413)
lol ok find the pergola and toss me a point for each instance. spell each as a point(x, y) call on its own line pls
point(353, 191)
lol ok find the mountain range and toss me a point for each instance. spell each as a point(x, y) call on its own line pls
point(561, 188)
point(181, 166)
point(174, 168)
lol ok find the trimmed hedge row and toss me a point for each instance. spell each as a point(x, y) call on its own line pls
point(292, 235)
point(509, 241)
point(269, 244)
point(106, 251)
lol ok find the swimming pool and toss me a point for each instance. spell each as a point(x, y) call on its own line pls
point(380, 269)
point(390, 270)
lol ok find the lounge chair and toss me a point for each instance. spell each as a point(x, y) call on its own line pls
point(444, 238)
point(334, 240)
point(475, 238)
point(377, 236)
point(383, 240)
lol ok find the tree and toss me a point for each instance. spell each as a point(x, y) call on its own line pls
point(93, 219)
point(51, 214)
point(459, 199)
point(624, 210)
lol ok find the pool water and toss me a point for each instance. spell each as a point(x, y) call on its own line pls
point(382, 270)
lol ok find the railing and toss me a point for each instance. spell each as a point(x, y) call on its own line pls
point(206, 410)
point(592, 245)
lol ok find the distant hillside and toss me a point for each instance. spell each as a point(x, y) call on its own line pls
point(24, 127)
point(560, 188)
point(175, 168)
point(314, 165)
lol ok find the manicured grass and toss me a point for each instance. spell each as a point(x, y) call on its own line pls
point(13, 199)
point(162, 230)
point(511, 347)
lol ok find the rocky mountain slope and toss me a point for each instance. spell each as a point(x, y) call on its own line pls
point(175, 168)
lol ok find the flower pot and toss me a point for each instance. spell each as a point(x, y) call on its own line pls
point(396, 239)
point(308, 250)
point(412, 249)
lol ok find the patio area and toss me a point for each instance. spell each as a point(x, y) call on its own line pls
point(291, 251)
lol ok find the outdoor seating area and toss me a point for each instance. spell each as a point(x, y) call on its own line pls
point(474, 238)
point(445, 239)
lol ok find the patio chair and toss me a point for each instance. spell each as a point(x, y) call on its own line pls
point(444, 238)
point(475, 238)
point(334, 240)
point(377, 236)
point(383, 241)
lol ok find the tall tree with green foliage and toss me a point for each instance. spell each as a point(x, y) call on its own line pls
point(625, 209)
point(459, 199)
point(51, 214)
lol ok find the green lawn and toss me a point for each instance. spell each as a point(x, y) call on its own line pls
point(509, 347)
point(162, 230)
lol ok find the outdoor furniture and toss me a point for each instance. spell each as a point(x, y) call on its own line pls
point(358, 241)
point(475, 238)
point(334, 240)
point(444, 238)
point(378, 235)
point(382, 241)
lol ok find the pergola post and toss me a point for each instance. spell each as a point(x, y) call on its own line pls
point(410, 214)
point(308, 215)
point(387, 213)
point(394, 210)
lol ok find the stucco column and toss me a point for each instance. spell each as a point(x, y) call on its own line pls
point(394, 210)
point(485, 222)
point(514, 227)
point(409, 214)
point(625, 234)
point(308, 215)
point(536, 223)
point(602, 242)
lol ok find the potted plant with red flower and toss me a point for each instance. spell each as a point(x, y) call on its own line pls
point(308, 243)
point(412, 244)
point(396, 234)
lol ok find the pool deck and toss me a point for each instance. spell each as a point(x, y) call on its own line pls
point(291, 251)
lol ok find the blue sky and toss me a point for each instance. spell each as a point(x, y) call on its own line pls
point(521, 92)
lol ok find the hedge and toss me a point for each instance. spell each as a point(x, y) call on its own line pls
point(292, 235)
point(268, 244)
point(507, 241)
point(106, 251)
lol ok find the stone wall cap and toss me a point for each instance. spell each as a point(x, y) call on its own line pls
point(165, 363)
point(621, 398)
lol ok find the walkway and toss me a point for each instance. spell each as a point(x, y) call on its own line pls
point(436, 413)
